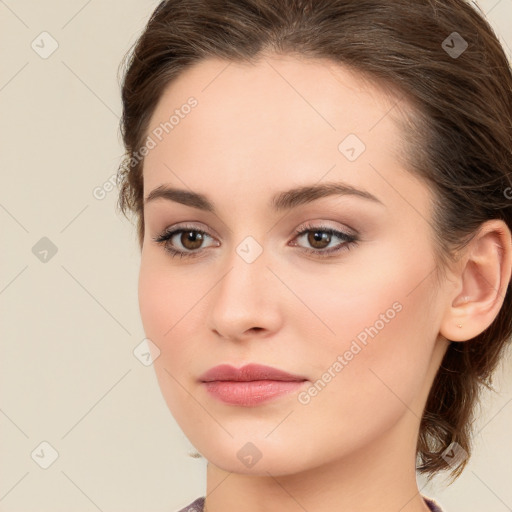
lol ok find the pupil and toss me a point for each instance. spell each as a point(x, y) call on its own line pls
point(319, 237)
point(192, 238)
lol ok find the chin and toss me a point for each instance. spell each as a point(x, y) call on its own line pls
point(257, 457)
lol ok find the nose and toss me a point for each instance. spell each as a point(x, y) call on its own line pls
point(246, 301)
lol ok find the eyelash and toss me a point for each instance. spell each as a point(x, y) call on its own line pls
point(348, 241)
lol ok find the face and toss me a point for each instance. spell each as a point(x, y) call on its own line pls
point(337, 289)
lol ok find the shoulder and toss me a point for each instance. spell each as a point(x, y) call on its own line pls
point(432, 505)
point(195, 506)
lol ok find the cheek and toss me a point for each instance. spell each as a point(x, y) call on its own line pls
point(165, 297)
point(167, 307)
point(376, 354)
point(155, 310)
point(167, 314)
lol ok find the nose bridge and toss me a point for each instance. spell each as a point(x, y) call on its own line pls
point(247, 277)
point(246, 297)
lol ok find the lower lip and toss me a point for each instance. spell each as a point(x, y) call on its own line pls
point(252, 392)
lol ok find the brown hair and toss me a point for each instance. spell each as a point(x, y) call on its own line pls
point(459, 130)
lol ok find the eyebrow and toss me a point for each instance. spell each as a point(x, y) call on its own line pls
point(285, 200)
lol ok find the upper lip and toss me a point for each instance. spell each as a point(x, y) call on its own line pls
point(247, 373)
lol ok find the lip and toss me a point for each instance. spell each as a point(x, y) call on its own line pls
point(247, 373)
point(249, 385)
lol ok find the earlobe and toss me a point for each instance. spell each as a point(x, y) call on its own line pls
point(482, 281)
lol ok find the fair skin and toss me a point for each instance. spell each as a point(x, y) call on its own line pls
point(259, 130)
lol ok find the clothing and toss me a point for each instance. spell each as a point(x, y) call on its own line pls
point(432, 505)
point(198, 505)
point(195, 506)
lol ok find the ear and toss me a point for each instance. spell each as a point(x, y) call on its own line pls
point(481, 283)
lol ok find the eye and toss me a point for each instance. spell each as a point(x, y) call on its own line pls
point(190, 238)
point(319, 237)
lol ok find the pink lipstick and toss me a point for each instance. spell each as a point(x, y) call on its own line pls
point(249, 385)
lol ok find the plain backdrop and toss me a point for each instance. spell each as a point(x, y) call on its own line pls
point(83, 425)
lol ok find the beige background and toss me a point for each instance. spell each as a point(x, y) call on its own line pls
point(68, 375)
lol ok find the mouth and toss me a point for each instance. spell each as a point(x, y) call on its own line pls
point(249, 385)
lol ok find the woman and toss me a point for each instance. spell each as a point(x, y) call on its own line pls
point(322, 195)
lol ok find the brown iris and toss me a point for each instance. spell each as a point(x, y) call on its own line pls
point(319, 237)
point(193, 238)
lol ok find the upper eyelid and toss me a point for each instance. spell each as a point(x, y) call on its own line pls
point(169, 233)
point(346, 242)
point(307, 226)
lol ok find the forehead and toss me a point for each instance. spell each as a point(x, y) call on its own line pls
point(278, 121)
